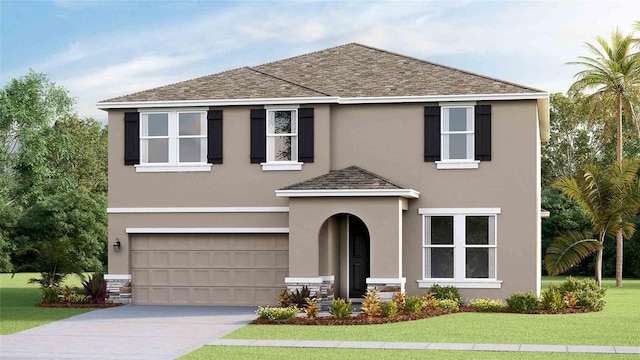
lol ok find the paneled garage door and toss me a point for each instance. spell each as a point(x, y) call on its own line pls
point(215, 269)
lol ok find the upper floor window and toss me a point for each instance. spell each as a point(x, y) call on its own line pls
point(282, 135)
point(173, 139)
point(457, 133)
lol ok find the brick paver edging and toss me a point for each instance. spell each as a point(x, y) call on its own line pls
point(429, 346)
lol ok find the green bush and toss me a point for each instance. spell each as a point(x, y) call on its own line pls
point(389, 309)
point(285, 298)
point(552, 298)
point(447, 304)
point(523, 302)
point(445, 293)
point(341, 309)
point(50, 295)
point(276, 313)
point(486, 304)
point(587, 293)
point(413, 304)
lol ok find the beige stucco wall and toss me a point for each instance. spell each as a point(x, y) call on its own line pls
point(385, 139)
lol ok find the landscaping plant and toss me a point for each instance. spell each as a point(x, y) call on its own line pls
point(312, 309)
point(389, 309)
point(285, 298)
point(523, 302)
point(95, 288)
point(552, 298)
point(399, 298)
point(341, 309)
point(429, 300)
point(413, 305)
point(447, 304)
point(445, 292)
point(486, 304)
point(371, 304)
point(300, 296)
point(50, 295)
point(276, 313)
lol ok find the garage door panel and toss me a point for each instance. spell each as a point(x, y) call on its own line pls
point(198, 269)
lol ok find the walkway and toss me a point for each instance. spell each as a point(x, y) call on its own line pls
point(429, 346)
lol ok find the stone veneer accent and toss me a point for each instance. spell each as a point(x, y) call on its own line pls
point(386, 287)
point(119, 288)
point(322, 287)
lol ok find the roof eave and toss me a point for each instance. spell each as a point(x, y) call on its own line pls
point(405, 193)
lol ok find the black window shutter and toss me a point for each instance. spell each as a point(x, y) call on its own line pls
point(214, 136)
point(483, 132)
point(431, 133)
point(305, 135)
point(258, 136)
point(131, 138)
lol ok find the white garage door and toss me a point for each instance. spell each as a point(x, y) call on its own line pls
point(208, 269)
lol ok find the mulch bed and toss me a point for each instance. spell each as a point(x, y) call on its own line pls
point(362, 319)
point(77, 305)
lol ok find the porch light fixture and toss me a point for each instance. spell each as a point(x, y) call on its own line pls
point(117, 245)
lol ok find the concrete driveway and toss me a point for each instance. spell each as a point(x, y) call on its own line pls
point(127, 332)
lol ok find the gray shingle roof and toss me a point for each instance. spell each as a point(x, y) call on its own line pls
point(351, 70)
point(349, 178)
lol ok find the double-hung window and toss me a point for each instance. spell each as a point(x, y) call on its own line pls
point(459, 247)
point(175, 140)
point(282, 140)
point(458, 135)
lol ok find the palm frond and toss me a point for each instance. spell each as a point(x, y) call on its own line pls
point(568, 250)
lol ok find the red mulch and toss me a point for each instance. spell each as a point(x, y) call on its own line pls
point(362, 319)
point(78, 305)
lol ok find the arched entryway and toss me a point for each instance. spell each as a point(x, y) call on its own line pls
point(345, 252)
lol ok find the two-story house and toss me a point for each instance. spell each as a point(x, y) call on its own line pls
point(343, 169)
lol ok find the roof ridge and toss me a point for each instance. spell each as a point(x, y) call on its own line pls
point(305, 54)
point(373, 174)
point(289, 81)
point(444, 66)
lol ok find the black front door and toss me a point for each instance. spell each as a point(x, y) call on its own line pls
point(358, 257)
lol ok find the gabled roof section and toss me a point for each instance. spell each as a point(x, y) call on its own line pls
point(347, 71)
point(350, 181)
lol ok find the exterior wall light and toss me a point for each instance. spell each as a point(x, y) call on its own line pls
point(117, 245)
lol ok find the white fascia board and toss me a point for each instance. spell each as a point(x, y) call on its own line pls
point(219, 102)
point(455, 211)
point(230, 209)
point(406, 193)
point(442, 98)
point(207, 230)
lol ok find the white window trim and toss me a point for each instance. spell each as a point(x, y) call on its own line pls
point(459, 280)
point(447, 164)
point(294, 164)
point(174, 165)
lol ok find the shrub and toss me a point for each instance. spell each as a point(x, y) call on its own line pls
point(586, 291)
point(49, 279)
point(276, 313)
point(300, 296)
point(70, 295)
point(50, 295)
point(95, 288)
point(341, 309)
point(486, 304)
point(429, 300)
point(285, 298)
point(570, 300)
point(447, 304)
point(389, 309)
point(445, 292)
point(413, 305)
point(552, 298)
point(523, 302)
point(371, 304)
point(399, 298)
point(312, 309)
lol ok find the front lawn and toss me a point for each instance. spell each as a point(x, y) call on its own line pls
point(17, 300)
point(618, 324)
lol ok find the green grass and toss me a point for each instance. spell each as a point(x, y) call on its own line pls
point(275, 353)
point(17, 300)
point(617, 324)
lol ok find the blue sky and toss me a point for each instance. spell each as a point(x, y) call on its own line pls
point(102, 49)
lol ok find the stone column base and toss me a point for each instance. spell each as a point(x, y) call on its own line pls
point(386, 287)
point(322, 287)
point(119, 288)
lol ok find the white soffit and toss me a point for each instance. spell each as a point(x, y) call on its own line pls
point(405, 193)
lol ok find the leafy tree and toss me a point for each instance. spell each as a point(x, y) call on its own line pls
point(28, 107)
point(611, 198)
point(573, 141)
point(614, 74)
point(63, 233)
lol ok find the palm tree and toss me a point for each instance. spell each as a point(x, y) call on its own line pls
point(614, 76)
point(611, 198)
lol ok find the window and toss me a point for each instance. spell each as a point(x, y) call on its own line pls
point(282, 140)
point(171, 140)
point(457, 138)
point(459, 247)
